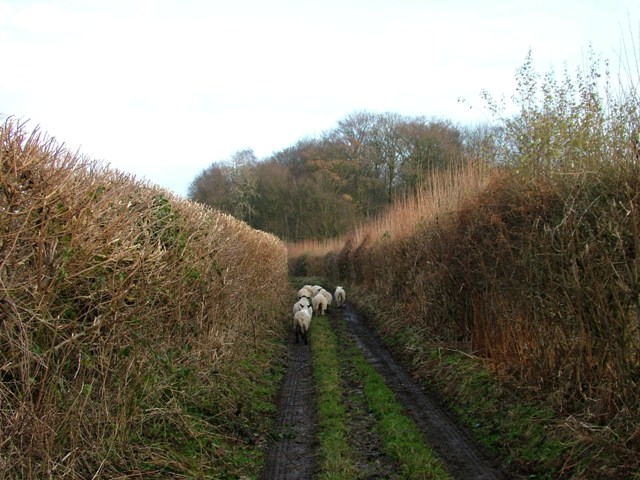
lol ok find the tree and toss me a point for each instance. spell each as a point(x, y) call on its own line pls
point(323, 186)
point(355, 132)
point(431, 145)
point(212, 187)
point(230, 187)
point(360, 168)
point(390, 149)
point(482, 141)
point(278, 209)
point(243, 189)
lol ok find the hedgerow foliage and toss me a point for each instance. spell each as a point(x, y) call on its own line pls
point(125, 313)
point(536, 268)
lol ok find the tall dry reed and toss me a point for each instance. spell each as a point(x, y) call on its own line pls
point(443, 191)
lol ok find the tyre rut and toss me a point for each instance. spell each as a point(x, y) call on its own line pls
point(291, 455)
point(463, 458)
point(372, 462)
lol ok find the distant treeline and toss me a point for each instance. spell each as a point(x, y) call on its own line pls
point(321, 187)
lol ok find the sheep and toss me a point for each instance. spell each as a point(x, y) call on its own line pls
point(305, 292)
point(300, 304)
point(319, 303)
point(340, 296)
point(301, 323)
point(327, 295)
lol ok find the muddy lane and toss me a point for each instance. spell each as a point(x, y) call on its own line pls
point(291, 455)
point(464, 459)
point(293, 449)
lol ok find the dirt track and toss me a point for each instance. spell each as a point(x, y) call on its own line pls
point(292, 454)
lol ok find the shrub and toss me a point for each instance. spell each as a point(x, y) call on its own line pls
point(112, 293)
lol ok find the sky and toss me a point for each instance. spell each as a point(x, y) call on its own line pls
point(162, 89)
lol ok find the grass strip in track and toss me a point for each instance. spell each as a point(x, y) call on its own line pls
point(402, 439)
point(336, 459)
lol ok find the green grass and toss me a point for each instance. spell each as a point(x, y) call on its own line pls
point(214, 427)
point(402, 439)
point(525, 430)
point(336, 459)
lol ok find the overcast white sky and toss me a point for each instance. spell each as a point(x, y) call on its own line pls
point(163, 88)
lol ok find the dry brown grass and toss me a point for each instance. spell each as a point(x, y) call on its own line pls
point(111, 290)
point(443, 192)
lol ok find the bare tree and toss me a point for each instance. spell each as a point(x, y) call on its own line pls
point(212, 187)
point(244, 181)
point(391, 150)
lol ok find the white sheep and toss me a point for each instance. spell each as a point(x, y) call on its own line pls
point(319, 303)
point(305, 292)
point(327, 295)
point(340, 296)
point(300, 304)
point(302, 322)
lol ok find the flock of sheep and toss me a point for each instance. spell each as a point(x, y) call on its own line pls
point(313, 298)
